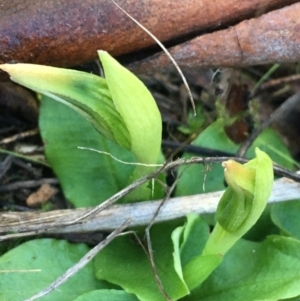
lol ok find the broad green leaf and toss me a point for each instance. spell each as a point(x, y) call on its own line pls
point(271, 143)
point(251, 271)
point(87, 177)
point(32, 266)
point(176, 239)
point(195, 235)
point(189, 241)
point(124, 262)
point(286, 217)
point(106, 295)
point(86, 93)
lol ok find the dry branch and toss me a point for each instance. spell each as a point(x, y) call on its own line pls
point(140, 214)
point(67, 33)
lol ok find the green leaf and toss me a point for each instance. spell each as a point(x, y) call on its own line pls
point(189, 241)
point(251, 271)
point(286, 217)
point(271, 143)
point(194, 236)
point(107, 295)
point(124, 262)
point(87, 177)
point(32, 266)
point(176, 239)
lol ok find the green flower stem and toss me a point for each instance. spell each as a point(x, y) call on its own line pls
point(220, 241)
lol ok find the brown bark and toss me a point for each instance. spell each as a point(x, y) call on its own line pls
point(66, 33)
point(273, 37)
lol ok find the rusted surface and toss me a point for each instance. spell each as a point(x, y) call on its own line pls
point(67, 33)
point(273, 37)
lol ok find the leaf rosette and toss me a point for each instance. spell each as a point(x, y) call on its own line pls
point(119, 105)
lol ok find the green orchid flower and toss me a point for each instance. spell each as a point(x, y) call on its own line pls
point(244, 200)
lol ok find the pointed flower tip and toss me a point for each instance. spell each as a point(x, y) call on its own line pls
point(234, 168)
point(239, 174)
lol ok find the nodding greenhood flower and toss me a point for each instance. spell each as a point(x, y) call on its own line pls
point(249, 187)
point(119, 106)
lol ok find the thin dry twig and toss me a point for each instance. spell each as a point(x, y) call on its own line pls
point(19, 136)
point(80, 264)
point(290, 102)
point(27, 184)
point(153, 266)
point(165, 50)
point(149, 243)
point(279, 81)
point(27, 158)
point(5, 165)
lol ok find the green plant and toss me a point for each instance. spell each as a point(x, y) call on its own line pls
point(191, 263)
point(249, 187)
point(119, 106)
